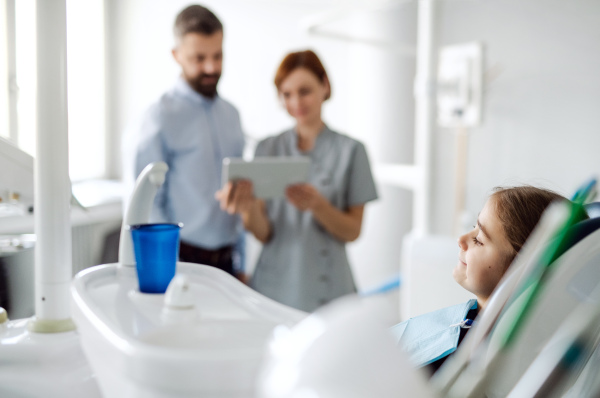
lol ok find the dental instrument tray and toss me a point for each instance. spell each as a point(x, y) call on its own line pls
point(270, 175)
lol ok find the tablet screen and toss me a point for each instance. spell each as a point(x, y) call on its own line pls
point(269, 175)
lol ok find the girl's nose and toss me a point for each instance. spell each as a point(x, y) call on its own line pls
point(462, 242)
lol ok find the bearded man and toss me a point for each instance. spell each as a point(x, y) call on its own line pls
point(192, 129)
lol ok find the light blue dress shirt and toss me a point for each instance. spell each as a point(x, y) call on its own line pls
point(192, 134)
point(303, 265)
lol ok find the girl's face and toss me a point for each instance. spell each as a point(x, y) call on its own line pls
point(484, 255)
point(302, 94)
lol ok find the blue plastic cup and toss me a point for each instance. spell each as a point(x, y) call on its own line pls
point(156, 249)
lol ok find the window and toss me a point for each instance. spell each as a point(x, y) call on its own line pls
point(6, 72)
point(4, 127)
point(24, 93)
point(85, 75)
point(86, 93)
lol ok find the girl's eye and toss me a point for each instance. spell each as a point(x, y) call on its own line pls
point(477, 242)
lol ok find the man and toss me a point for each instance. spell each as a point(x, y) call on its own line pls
point(192, 129)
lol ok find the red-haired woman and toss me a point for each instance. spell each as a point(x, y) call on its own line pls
point(303, 262)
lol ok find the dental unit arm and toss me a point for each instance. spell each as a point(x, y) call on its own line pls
point(140, 205)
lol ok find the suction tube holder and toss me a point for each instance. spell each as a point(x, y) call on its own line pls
point(140, 205)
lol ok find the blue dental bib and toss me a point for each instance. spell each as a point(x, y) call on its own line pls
point(432, 336)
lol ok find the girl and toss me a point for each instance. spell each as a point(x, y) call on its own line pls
point(485, 253)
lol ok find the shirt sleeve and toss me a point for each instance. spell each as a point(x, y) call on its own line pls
point(361, 186)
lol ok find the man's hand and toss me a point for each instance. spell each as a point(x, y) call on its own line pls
point(236, 197)
point(243, 277)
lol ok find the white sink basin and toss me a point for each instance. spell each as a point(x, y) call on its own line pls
point(136, 351)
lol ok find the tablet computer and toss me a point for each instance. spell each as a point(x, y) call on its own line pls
point(270, 175)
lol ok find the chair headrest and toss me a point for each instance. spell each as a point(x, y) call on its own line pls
point(582, 229)
point(593, 209)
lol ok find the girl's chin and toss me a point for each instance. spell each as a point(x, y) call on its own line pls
point(457, 275)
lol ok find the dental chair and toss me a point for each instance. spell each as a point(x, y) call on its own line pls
point(588, 382)
point(568, 364)
point(485, 364)
point(593, 209)
point(569, 358)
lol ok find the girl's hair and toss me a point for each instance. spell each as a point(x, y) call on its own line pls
point(519, 209)
point(302, 59)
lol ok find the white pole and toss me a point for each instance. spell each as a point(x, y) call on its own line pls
point(424, 113)
point(425, 88)
point(460, 178)
point(53, 266)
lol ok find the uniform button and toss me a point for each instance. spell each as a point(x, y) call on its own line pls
point(323, 301)
point(324, 252)
point(324, 278)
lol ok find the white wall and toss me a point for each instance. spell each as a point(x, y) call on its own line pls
point(372, 88)
point(542, 99)
point(541, 104)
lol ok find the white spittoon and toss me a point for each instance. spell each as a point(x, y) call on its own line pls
point(341, 350)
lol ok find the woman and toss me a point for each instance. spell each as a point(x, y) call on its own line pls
point(303, 262)
point(485, 253)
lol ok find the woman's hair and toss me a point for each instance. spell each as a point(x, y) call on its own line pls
point(196, 19)
point(302, 59)
point(519, 209)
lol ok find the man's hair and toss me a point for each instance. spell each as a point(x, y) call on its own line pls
point(301, 59)
point(519, 209)
point(196, 19)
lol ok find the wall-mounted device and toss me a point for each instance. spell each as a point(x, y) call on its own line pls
point(459, 85)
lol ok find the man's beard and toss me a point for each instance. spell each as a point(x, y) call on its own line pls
point(207, 90)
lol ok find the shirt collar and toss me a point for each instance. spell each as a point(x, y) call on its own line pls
point(183, 88)
point(293, 140)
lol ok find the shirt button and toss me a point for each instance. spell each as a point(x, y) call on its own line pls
point(323, 278)
point(324, 252)
point(323, 301)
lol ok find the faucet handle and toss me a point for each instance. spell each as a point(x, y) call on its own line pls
point(179, 304)
point(179, 294)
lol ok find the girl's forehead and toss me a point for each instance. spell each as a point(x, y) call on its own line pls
point(491, 223)
point(488, 212)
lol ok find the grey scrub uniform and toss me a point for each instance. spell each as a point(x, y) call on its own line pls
point(303, 265)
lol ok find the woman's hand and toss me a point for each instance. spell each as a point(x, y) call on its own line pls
point(236, 197)
point(345, 225)
point(304, 197)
